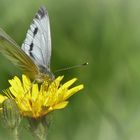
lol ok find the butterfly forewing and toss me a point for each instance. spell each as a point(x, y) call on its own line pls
point(37, 44)
point(35, 54)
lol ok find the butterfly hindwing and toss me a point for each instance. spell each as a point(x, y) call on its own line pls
point(16, 55)
point(37, 44)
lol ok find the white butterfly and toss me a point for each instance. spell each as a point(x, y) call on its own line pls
point(35, 54)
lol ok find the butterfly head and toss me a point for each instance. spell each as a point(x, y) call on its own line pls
point(41, 77)
point(44, 74)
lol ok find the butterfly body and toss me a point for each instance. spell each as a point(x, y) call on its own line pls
point(35, 53)
point(44, 74)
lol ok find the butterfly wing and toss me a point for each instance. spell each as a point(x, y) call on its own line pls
point(12, 51)
point(37, 44)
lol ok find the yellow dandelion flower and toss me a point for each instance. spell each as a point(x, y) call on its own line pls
point(2, 99)
point(34, 100)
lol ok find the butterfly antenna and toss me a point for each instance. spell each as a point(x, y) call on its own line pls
point(72, 67)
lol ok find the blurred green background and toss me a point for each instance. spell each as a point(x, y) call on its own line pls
point(106, 33)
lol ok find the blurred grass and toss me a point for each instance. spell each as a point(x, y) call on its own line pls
point(106, 33)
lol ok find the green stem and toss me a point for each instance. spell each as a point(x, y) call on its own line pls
point(14, 133)
point(39, 127)
point(42, 138)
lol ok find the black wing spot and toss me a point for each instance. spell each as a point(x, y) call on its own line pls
point(32, 55)
point(30, 51)
point(41, 13)
point(35, 31)
point(31, 46)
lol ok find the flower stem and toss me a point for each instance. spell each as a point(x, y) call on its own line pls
point(14, 134)
point(39, 127)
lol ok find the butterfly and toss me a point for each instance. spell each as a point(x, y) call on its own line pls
point(35, 53)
